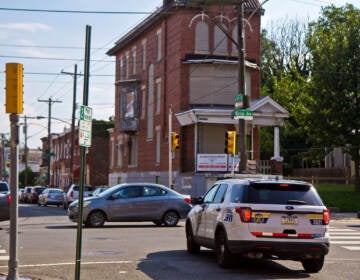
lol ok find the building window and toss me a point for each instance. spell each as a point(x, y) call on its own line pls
point(119, 152)
point(134, 60)
point(201, 37)
point(220, 40)
point(111, 152)
point(143, 102)
point(132, 144)
point(127, 64)
point(158, 145)
point(235, 50)
point(150, 104)
point(143, 54)
point(121, 68)
point(158, 36)
point(158, 96)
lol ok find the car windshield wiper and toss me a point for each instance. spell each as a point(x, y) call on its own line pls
point(298, 202)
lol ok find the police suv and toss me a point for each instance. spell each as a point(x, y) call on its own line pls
point(260, 219)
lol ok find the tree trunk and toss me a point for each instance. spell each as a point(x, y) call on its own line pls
point(357, 176)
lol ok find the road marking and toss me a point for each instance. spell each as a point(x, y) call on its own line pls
point(352, 248)
point(344, 233)
point(341, 229)
point(4, 258)
point(344, 237)
point(343, 242)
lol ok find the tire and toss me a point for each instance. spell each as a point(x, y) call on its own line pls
point(158, 222)
point(223, 255)
point(192, 246)
point(313, 265)
point(95, 219)
point(170, 219)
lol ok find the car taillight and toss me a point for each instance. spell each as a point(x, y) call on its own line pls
point(9, 199)
point(244, 213)
point(326, 216)
point(188, 199)
point(71, 194)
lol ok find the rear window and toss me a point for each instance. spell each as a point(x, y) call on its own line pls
point(4, 187)
point(265, 193)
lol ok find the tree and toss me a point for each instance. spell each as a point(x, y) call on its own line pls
point(31, 176)
point(334, 43)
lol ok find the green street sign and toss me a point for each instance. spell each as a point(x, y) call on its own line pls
point(239, 98)
point(85, 113)
point(244, 114)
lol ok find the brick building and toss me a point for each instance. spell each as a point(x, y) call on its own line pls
point(177, 71)
point(97, 157)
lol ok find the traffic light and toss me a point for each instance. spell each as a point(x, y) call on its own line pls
point(14, 88)
point(175, 140)
point(230, 142)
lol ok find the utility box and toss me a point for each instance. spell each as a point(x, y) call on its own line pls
point(14, 88)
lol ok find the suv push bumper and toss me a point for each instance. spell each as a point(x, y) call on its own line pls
point(288, 250)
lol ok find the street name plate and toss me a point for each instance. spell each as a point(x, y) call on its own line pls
point(244, 114)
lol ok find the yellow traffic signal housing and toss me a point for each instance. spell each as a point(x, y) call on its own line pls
point(230, 142)
point(14, 88)
point(175, 140)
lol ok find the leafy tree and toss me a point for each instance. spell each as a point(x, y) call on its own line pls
point(31, 177)
point(334, 43)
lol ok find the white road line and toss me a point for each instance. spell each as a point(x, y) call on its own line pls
point(353, 242)
point(2, 251)
point(352, 248)
point(344, 237)
point(4, 258)
point(344, 233)
point(340, 229)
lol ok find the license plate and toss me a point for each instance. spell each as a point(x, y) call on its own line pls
point(289, 220)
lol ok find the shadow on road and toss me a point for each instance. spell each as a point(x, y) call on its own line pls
point(181, 265)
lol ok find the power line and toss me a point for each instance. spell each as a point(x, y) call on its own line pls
point(76, 11)
point(47, 47)
point(53, 58)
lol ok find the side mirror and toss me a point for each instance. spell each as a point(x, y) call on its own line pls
point(197, 200)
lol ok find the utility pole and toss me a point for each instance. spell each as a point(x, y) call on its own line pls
point(48, 152)
point(241, 85)
point(75, 74)
point(25, 153)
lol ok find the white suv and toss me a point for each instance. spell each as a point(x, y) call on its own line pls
point(73, 193)
point(260, 219)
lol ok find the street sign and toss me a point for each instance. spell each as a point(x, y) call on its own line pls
point(244, 114)
point(85, 126)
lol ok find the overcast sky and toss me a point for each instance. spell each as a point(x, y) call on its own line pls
point(48, 42)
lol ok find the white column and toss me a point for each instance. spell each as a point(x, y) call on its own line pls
point(276, 142)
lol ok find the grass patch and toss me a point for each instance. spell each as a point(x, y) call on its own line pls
point(342, 196)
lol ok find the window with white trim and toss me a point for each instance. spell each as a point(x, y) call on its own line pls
point(134, 60)
point(143, 54)
point(201, 37)
point(158, 36)
point(158, 96)
point(127, 65)
point(133, 150)
point(119, 152)
point(158, 145)
point(121, 68)
point(220, 40)
point(150, 104)
point(143, 102)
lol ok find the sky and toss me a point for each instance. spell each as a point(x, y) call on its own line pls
point(49, 43)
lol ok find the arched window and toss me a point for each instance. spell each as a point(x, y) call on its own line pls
point(201, 37)
point(234, 50)
point(150, 107)
point(220, 41)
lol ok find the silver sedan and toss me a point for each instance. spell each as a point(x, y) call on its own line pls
point(133, 202)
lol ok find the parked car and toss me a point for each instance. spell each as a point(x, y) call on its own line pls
point(260, 219)
point(133, 202)
point(51, 196)
point(35, 192)
point(20, 193)
point(4, 201)
point(26, 195)
point(72, 193)
point(99, 190)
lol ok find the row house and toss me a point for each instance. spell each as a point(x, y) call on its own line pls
point(177, 71)
point(97, 158)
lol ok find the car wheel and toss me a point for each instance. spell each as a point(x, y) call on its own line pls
point(171, 219)
point(158, 222)
point(313, 265)
point(192, 246)
point(95, 219)
point(223, 255)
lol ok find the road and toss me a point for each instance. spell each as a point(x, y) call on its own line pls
point(47, 246)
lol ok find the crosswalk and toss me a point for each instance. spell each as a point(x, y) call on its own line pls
point(346, 238)
point(3, 254)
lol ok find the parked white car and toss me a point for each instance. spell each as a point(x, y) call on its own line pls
point(260, 219)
